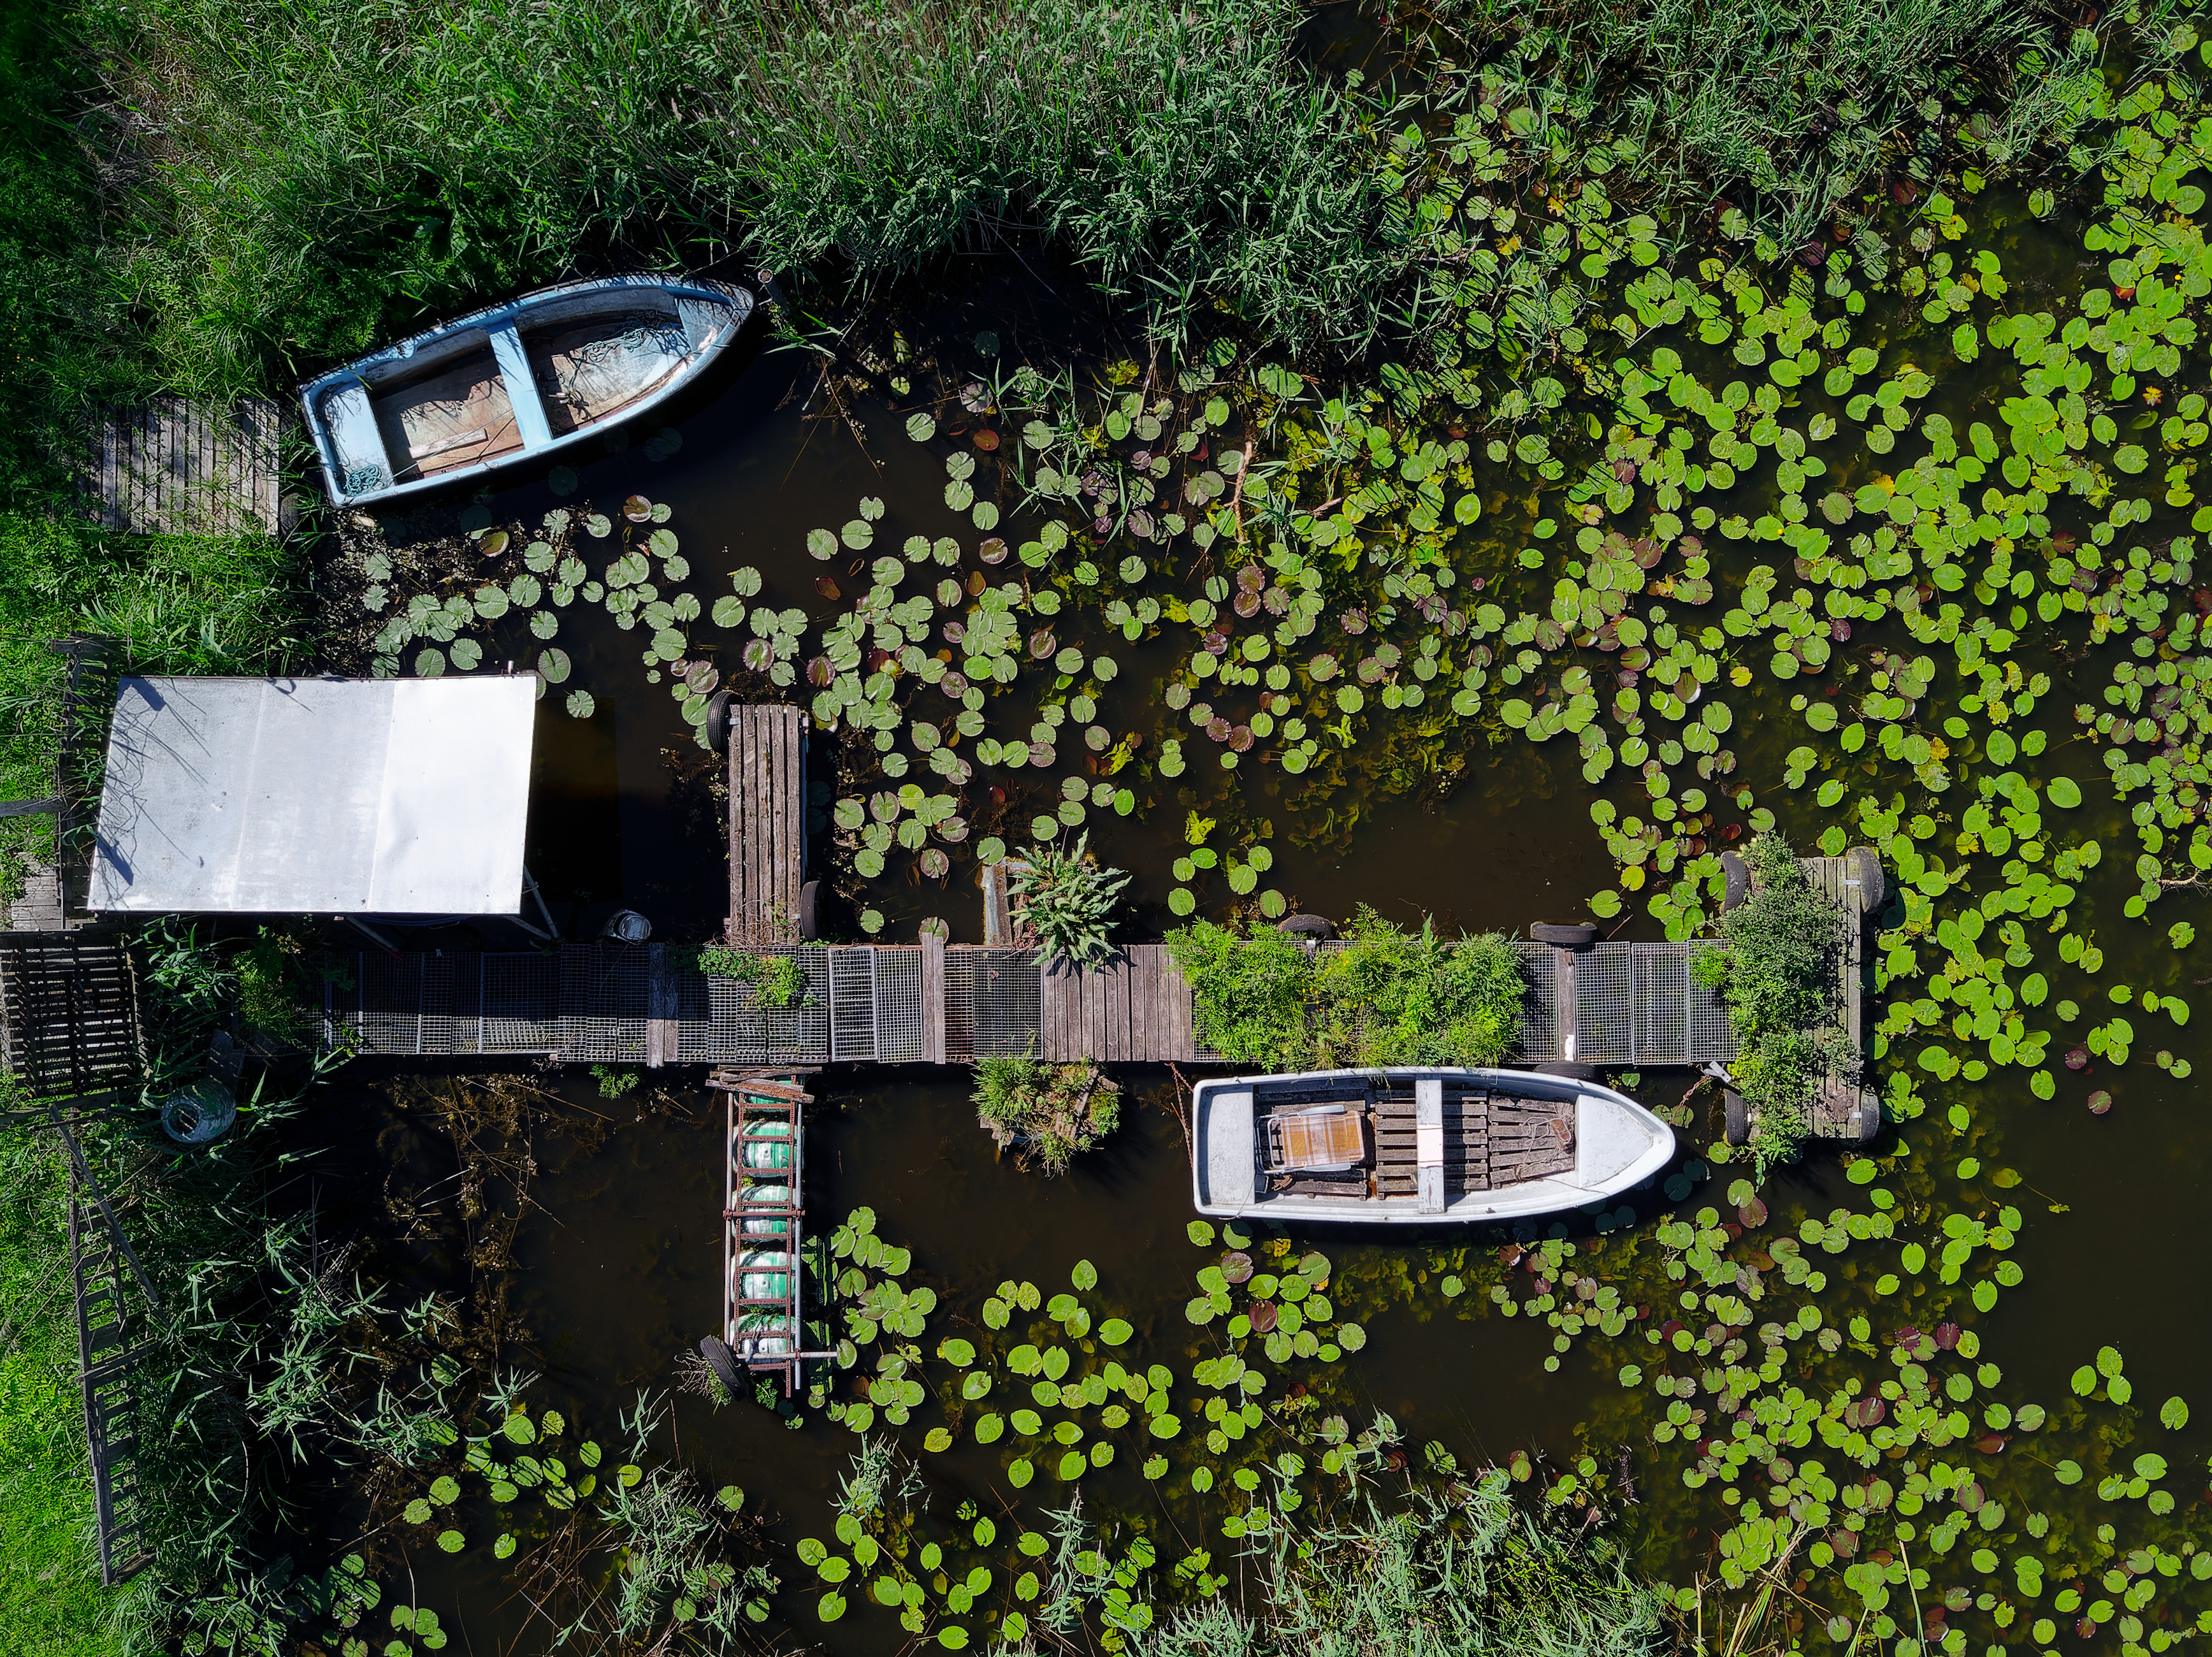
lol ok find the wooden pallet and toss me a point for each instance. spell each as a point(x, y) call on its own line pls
point(767, 823)
point(69, 1016)
point(1134, 1009)
point(175, 467)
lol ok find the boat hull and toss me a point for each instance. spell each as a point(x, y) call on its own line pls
point(1451, 1146)
point(513, 384)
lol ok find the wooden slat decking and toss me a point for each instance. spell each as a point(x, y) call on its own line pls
point(175, 467)
point(1489, 1141)
point(767, 823)
point(1135, 1008)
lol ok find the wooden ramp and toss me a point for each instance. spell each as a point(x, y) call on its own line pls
point(1135, 1008)
point(767, 823)
point(179, 468)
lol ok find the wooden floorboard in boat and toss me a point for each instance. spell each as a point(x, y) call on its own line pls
point(456, 417)
point(1488, 1141)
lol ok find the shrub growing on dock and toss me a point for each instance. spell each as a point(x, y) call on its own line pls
point(1247, 994)
point(778, 980)
point(1397, 997)
point(1778, 975)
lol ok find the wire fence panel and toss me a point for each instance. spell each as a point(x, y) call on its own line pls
point(1605, 1005)
point(729, 1025)
point(1540, 1013)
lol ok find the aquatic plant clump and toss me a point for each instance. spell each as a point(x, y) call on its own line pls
point(1047, 1114)
point(1778, 976)
point(1067, 900)
point(1476, 1574)
point(1395, 997)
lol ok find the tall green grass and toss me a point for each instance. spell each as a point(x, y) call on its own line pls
point(337, 167)
point(68, 337)
point(170, 604)
point(51, 1604)
point(1791, 107)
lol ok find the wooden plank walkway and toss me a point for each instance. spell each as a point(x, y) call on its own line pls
point(175, 467)
point(1135, 1008)
point(767, 823)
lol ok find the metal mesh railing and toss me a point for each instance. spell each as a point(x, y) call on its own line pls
point(1605, 1005)
point(1540, 1014)
point(731, 1027)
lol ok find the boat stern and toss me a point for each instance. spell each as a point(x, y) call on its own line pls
point(1224, 1158)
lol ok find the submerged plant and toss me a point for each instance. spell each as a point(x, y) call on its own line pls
point(1068, 900)
point(1046, 1113)
point(1778, 975)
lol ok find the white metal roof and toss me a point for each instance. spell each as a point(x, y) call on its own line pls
point(316, 796)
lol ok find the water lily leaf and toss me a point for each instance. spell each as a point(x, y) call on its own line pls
point(1085, 1276)
point(2063, 791)
point(580, 705)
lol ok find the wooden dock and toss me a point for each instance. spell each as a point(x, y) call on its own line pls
point(1856, 882)
point(1134, 1009)
point(768, 824)
point(1625, 1004)
point(175, 467)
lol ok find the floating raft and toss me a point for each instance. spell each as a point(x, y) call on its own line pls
point(1859, 885)
point(763, 1214)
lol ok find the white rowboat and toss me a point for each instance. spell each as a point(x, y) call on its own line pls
point(1416, 1146)
point(512, 383)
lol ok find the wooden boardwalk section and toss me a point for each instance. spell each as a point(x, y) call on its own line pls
point(1858, 885)
point(1135, 1008)
point(175, 467)
point(928, 1003)
point(767, 823)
